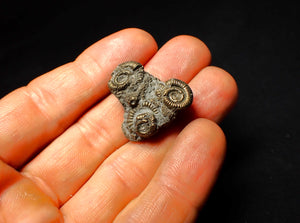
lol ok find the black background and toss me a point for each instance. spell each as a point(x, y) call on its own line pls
point(257, 42)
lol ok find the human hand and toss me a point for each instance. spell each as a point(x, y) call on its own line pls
point(64, 157)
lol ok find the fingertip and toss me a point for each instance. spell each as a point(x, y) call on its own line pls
point(181, 57)
point(196, 159)
point(200, 147)
point(228, 90)
point(124, 45)
point(216, 136)
point(141, 36)
point(205, 135)
point(197, 46)
point(227, 79)
point(137, 39)
point(215, 93)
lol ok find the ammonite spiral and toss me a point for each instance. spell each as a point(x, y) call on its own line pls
point(177, 94)
point(119, 81)
point(145, 124)
point(141, 121)
point(149, 103)
point(121, 75)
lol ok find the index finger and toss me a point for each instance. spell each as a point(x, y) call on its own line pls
point(34, 115)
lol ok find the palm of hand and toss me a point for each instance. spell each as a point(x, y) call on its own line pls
point(83, 168)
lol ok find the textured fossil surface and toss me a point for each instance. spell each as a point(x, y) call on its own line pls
point(149, 103)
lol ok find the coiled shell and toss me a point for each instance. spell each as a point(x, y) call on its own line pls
point(142, 122)
point(119, 81)
point(145, 124)
point(177, 94)
point(121, 75)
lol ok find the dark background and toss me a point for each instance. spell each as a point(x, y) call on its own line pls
point(257, 42)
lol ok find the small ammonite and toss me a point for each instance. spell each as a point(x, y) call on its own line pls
point(148, 102)
point(145, 124)
point(121, 76)
point(177, 94)
point(120, 80)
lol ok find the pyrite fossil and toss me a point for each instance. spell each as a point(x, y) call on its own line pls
point(149, 103)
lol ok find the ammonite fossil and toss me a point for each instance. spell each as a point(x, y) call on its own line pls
point(149, 103)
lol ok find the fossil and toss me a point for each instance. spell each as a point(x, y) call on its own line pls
point(148, 102)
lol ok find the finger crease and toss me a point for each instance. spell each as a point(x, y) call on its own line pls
point(173, 190)
point(122, 168)
point(39, 99)
point(85, 71)
point(95, 135)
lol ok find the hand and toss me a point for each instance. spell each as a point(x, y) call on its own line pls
point(64, 157)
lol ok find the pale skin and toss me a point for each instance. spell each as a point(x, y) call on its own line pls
point(64, 158)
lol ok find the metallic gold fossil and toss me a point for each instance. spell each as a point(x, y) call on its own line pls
point(148, 102)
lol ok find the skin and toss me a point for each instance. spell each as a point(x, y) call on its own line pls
point(64, 158)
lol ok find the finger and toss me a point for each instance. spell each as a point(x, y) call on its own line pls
point(22, 201)
point(70, 160)
point(128, 170)
point(183, 180)
point(185, 57)
point(34, 115)
point(116, 182)
point(215, 93)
